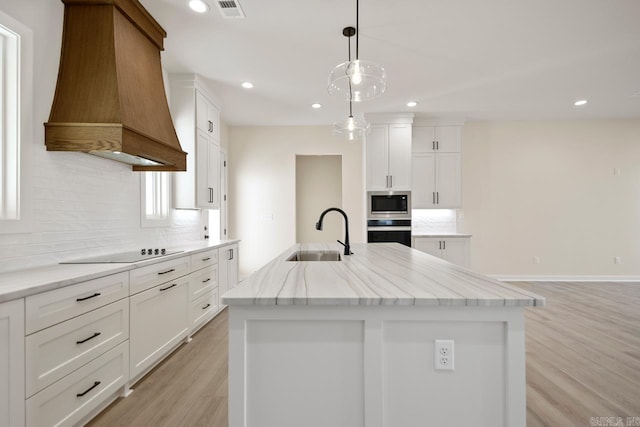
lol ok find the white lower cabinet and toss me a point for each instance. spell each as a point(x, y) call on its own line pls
point(453, 249)
point(61, 349)
point(159, 321)
point(69, 401)
point(12, 363)
point(228, 267)
point(203, 309)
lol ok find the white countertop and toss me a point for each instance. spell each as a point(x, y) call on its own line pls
point(376, 274)
point(22, 283)
point(424, 234)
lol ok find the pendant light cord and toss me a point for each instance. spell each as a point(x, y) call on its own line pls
point(357, 27)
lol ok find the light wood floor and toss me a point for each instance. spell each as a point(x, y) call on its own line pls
point(583, 361)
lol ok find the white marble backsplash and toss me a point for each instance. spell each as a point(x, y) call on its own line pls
point(426, 221)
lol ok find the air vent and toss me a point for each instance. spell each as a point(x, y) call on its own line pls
point(230, 9)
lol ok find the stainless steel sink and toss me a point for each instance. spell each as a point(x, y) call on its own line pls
point(315, 256)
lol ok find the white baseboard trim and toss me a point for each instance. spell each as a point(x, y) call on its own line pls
point(515, 278)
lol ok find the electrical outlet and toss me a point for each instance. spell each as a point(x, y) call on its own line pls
point(617, 260)
point(536, 260)
point(443, 355)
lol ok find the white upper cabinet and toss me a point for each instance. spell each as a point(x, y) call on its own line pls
point(388, 149)
point(197, 123)
point(436, 167)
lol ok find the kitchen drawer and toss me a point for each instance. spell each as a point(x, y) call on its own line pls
point(49, 308)
point(203, 308)
point(147, 277)
point(202, 282)
point(204, 259)
point(59, 350)
point(159, 321)
point(68, 401)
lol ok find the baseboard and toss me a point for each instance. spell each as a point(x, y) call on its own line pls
point(516, 278)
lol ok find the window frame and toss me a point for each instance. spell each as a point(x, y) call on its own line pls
point(23, 127)
point(155, 195)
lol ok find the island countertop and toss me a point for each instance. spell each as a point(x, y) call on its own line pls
point(376, 274)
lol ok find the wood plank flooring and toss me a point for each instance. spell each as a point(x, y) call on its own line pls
point(583, 361)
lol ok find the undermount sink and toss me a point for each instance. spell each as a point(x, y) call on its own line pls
point(315, 256)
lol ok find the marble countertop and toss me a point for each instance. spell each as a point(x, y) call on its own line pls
point(22, 283)
point(376, 274)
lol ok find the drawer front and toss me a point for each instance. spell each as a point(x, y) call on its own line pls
point(203, 281)
point(204, 259)
point(203, 308)
point(147, 277)
point(69, 400)
point(49, 308)
point(59, 350)
point(159, 320)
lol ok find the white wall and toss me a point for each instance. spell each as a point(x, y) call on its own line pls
point(318, 187)
point(262, 186)
point(548, 189)
point(82, 205)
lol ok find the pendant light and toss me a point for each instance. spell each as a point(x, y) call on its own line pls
point(353, 127)
point(357, 80)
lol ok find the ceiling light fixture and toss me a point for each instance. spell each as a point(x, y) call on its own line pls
point(412, 104)
point(357, 80)
point(580, 103)
point(247, 85)
point(316, 106)
point(198, 6)
point(353, 127)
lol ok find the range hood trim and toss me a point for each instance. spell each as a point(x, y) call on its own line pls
point(110, 95)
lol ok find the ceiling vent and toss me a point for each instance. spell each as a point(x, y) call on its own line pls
point(230, 9)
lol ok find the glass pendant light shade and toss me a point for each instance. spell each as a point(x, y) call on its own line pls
point(351, 128)
point(357, 80)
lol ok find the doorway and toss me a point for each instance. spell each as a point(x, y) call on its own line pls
point(318, 187)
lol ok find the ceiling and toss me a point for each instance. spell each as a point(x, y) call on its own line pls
point(462, 59)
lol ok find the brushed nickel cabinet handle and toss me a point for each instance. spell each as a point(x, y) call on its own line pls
point(95, 384)
point(206, 306)
point(230, 254)
point(205, 281)
point(165, 272)
point(168, 287)
point(437, 197)
point(206, 259)
point(434, 197)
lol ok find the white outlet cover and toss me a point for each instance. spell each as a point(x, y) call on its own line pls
point(443, 355)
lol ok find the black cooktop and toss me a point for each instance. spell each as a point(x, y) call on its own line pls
point(123, 257)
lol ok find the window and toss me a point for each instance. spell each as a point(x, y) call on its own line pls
point(16, 73)
point(155, 199)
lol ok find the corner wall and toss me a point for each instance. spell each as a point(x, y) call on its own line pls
point(549, 189)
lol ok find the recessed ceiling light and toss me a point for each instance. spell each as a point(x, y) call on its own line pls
point(579, 103)
point(247, 85)
point(198, 6)
point(316, 105)
point(412, 104)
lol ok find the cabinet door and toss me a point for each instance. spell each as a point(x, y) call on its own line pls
point(447, 139)
point(423, 181)
point(377, 158)
point(430, 245)
point(223, 266)
point(423, 139)
point(159, 321)
point(448, 189)
point(213, 173)
point(400, 157)
point(232, 266)
point(202, 112)
point(203, 190)
point(12, 372)
point(456, 251)
point(213, 115)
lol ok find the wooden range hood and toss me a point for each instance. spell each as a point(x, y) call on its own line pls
point(110, 99)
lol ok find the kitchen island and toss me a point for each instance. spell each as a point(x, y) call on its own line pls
point(353, 343)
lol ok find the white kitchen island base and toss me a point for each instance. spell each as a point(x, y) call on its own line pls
point(352, 343)
point(335, 366)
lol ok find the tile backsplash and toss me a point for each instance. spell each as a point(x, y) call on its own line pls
point(434, 221)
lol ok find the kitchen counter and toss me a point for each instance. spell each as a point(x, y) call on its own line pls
point(356, 343)
point(376, 274)
point(22, 283)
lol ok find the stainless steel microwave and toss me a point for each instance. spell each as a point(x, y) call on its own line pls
point(389, 204)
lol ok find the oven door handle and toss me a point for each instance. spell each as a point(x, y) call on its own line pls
point(407, 228)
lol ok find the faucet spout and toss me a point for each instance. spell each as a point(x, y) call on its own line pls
point(346, 244)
